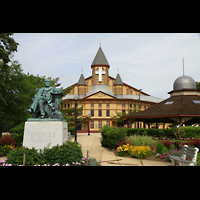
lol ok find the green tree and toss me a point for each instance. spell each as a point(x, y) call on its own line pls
point(7, 47)
point(120, 114)
point(198, 85)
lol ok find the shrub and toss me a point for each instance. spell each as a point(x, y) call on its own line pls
point(5, 149)
point(15, 157)
point(104, 134)
point(71, 130)
point(138, 140)
point(7, 140)
point(18, 133)
point(122, 142)
point(167, 143)
point(115, 136)
point(62, 154)
point(195, 143)
point(160, 148)
point(112, 136)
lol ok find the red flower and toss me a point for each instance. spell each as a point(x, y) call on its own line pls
point(15, 147)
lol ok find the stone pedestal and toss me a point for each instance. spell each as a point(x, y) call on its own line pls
point(39, 134)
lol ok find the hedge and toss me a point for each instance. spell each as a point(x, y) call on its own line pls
point(189, 131)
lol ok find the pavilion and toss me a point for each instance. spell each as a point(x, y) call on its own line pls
point(183, 106)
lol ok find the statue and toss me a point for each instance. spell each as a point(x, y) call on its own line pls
point(46, 103)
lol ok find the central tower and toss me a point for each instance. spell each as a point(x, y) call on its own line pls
point(100, 69)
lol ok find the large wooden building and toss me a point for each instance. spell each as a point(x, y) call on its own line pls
point(102, 95)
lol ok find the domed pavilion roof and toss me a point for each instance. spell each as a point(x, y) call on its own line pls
point(184, 82)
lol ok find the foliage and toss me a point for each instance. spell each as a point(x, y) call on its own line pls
point(15, 157)
point(160, 148)
point(62, 154)
point(66, 153)
point(118, 115)
point(7, 140)
point(141, 140)
point(197, 85)
point(111, 136)
point(104, 134)
point(189, 131)
point(4, 150)
point(80, 163)
point(122, 142)
point(139, 152)
point(18, 133)
point(71, 130)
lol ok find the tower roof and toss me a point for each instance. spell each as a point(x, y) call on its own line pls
point(100, 58)
point(81, 80)
point(118, 80)
point(184, 82)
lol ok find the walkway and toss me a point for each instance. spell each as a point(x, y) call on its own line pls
point(107, 158)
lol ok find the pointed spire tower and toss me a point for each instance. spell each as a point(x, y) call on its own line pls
point(118, 85)
point(82, 85)
point(100, 69)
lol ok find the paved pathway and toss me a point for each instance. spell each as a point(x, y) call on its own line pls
point(107, 158)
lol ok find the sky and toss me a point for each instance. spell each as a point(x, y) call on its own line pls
point(147, 61)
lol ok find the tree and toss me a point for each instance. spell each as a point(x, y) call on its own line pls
point(120, 114)
point(198, 85)
point(17, 92)
point(7, 47)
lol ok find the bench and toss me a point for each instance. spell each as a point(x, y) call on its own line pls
point(186, 152)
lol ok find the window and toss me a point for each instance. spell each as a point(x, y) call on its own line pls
point(100, 124)
point(108, 123)
point(130, 105)
point(145, 106)
point(123, 111)
point(68, 105)
point(92, 104)
point(169, 102)
point(107, 113)
point(92, 124)
point(100, 113)
point(134, 105)
point(100, 104)
point(123, 105)
point(108, 105)
point(92, 113)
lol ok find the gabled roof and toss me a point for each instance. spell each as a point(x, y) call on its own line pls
point(100, 58)
point(118, 80)
point(81, 80)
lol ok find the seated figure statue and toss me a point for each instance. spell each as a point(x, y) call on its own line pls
point(46, 103)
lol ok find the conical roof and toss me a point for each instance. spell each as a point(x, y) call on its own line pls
point(81, 80)
point(100, 58)
point(118, 80)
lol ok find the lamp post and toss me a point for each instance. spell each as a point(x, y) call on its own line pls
point(76, 97)
point(89, 124)
point(139, 104)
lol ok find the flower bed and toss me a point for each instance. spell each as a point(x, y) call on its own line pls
point(139, 152)
point(81, 163)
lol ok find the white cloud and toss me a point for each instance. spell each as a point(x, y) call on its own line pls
point(148, 61)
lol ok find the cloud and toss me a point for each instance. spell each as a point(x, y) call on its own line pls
point(148, 61)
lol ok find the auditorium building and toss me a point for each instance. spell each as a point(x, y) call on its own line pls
point(102, 95)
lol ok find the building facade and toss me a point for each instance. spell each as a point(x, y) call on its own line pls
point(102, 95)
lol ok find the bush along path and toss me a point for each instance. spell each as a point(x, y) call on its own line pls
point(68, 154)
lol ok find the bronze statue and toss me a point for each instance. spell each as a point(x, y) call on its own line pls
point(46, 103)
